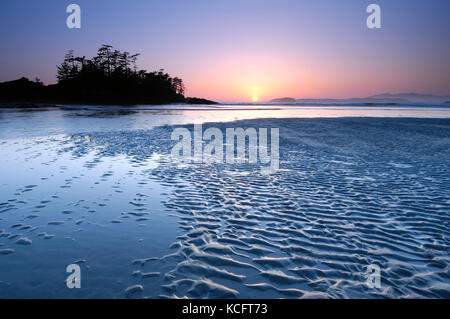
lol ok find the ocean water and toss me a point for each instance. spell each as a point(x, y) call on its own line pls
point(95, 186)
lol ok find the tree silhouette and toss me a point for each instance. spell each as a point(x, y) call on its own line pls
point(110, 77)
point(114, 74)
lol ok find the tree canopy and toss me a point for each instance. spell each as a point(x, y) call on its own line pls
point(110, 77)
point(113, 74)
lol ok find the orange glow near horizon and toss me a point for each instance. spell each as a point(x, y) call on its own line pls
point(259, 75)
point(246, 78)
point(255, 94)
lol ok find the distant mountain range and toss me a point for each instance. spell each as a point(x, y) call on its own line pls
point(375, 99)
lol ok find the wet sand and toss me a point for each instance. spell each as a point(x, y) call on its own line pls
point(350, 192)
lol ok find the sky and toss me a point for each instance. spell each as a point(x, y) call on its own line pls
point(243, 50)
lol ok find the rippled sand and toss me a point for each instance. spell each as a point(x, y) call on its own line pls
point(351, 192)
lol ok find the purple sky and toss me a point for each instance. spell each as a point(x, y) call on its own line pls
point(239, 50)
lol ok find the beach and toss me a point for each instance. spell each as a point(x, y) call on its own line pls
point(97, 187)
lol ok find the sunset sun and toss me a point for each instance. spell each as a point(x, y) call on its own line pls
point(255, 94)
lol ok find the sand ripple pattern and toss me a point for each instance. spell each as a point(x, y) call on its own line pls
point(350, 193)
